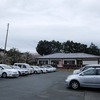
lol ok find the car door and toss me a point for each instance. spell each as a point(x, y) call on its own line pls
point(98, 77)
point(88, 77)
point(0, 71)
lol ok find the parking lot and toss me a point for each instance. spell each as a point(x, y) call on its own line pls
point(48, 86)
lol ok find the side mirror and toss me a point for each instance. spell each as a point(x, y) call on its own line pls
point(82, 74)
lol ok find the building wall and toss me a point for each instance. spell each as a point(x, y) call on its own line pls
point(92, 61)
point(61, 62)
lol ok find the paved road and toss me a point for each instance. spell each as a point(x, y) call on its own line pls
point(43, 87)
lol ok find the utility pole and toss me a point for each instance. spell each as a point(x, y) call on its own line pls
point(6, 42)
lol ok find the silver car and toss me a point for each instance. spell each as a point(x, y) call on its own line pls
point(86, 67)
point(87, 78)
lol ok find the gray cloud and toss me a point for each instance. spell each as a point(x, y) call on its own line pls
point(62, 20)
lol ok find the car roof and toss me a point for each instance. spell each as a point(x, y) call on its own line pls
point(21, 64)
point(90, 68)
point(93, 65)
point(97, 68)
point(2, 64)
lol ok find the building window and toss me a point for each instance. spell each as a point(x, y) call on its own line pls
point(69, 62)
point(55, 62)
point(43, 62)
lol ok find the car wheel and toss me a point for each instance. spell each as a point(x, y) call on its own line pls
point(41, 71)
point(35, 72)
point(19, 73)
point(4, 75)
point(74, 85)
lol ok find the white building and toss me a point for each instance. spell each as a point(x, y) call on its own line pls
point(66, 59)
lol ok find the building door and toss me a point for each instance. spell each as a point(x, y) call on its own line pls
point(79, 63)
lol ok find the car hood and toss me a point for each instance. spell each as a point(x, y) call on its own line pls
point(13, 70)
point(76, 71)
point(73, 76)
point(21, 69)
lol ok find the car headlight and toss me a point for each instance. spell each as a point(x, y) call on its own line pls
point(69, 77)
point(10, 72)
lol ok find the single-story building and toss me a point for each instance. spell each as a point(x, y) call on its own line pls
point(66, 59)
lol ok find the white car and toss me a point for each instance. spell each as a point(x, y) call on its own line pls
point(51, 68)
point(21, 71)
point(43, 69)
point(47, 68)
point(36, 69)
point(0, 73)
point(25, 66)
point(7, 71)
point(77, 71)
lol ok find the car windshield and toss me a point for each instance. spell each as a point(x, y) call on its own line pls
point(41, 67)
point(28, 66)
point(81, 69)
point(16, 67)
point(37, 67)
point(48, 66)
point(6, 67)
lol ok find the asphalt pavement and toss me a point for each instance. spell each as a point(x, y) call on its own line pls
point(48, 86)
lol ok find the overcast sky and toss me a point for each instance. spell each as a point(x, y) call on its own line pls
point(59, 20)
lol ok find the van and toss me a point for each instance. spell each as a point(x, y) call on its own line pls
point(25, 66)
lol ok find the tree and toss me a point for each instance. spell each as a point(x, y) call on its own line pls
point(28, 58)
point(48, 47)
point(44, 47)
point(56, 46)
point(1, 58)
point(73, 47)
point(14, 55)
point(93, 49)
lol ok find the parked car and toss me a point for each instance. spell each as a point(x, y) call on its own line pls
point(87, 78)
point(51, 68)
point(36, 69)
point(25, 66)
point(47, 69)
point(7, 71)
point(43, 69)
point(86, 67)
point(21, 71)
point(0, 73)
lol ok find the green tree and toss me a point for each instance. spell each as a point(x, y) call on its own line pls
point(93, 49)
point(74, 47)
point(56, 46)
point(44, 47)
point(48, 47)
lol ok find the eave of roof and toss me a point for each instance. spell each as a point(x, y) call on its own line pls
point(68, 56)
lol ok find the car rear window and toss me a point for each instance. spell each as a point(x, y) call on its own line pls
point(90, 67)
point(98, 71)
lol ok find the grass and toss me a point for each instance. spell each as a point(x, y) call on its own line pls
point(65, 70)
